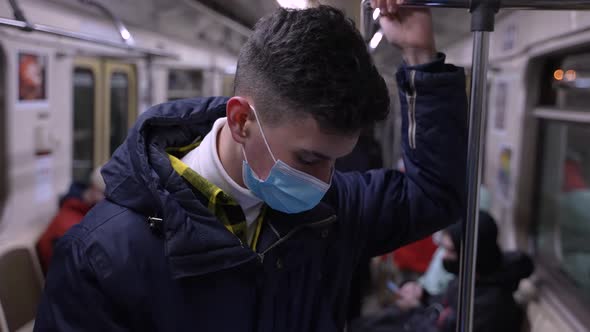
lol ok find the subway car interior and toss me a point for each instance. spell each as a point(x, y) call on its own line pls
point(77, 75)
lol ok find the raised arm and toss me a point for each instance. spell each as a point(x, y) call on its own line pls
point(388, 209)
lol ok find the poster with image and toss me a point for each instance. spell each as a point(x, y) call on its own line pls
point(500, 102)
point(32, 78)
point(504, 174)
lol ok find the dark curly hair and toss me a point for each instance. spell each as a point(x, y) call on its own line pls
point(312, 61)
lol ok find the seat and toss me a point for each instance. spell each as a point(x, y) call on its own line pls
point(20, 286)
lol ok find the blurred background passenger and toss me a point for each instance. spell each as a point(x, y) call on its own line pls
point(73, 206)
point(498, 275)
point(436, 279)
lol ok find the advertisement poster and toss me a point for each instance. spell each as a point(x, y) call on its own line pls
point(500, 106)
point(504, 176)
point(44, 178)
point(509, 38)
point(32, 78)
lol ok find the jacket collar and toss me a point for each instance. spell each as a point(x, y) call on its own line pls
point(189, 258)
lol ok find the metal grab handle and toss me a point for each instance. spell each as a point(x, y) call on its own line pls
point(367, 12)
point(507, 4)
point(121, 28)
point(82, 37)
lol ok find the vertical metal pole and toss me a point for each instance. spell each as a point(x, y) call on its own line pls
point(477, 115)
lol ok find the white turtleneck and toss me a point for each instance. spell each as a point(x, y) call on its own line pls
point(205, 161)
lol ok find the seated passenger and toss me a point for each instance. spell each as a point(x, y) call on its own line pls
point(72, 209)
point(226, 214)
point(573, 176)
point(497, 278)
point(413, 259)
point(436, 279)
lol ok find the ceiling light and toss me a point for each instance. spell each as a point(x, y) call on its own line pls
point(376, 13)
point(125, 34)
point(558, 74)
point(297, 4)
point(570, 75)
point(376, 39)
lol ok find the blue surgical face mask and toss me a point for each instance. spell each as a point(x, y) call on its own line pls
point(285, 189)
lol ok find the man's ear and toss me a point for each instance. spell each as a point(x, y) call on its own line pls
point(237, 112)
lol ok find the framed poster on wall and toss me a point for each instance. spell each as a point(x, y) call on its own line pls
point(500, 103)
point(509, 37)
point(504, 177)
point(32, 78)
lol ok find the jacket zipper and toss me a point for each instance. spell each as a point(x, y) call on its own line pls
point(292, 232)
point(411, 97)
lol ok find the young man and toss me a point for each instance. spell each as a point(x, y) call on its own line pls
point(226, 214)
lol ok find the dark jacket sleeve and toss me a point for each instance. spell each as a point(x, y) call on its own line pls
point(388, 209)
point(72, 300)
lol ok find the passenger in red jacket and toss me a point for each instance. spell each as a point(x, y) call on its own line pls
point(415, 257)
point(72, 209)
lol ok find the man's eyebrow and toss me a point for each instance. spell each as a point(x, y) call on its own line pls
point(315, 154)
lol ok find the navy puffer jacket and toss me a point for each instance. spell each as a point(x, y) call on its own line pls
point(113, 272)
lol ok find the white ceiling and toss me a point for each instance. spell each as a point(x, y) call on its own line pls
point(181, 19)
point(225, 23)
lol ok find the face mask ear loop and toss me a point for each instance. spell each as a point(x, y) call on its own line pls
point(244, 154)
point(263, 136)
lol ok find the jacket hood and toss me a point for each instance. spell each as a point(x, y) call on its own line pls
point(139, 176)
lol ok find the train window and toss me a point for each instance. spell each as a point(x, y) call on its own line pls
point(105, 99)
point(184, 84)
point(574, 98)
point(84, 124)
point(119, 87)
point(548, 91)
point(563, 200)
point(121, 102)
point(567, 82)
point(3, 134)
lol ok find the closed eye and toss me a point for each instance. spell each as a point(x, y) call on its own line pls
point(310, 158)
point(307, 162)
